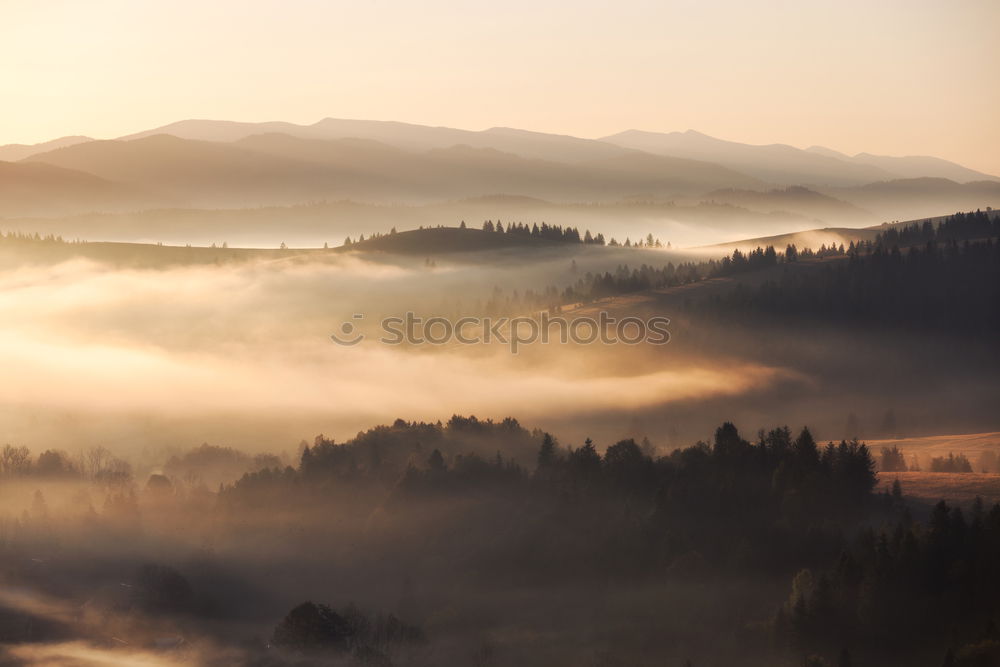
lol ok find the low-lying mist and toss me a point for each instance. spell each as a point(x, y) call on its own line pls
point(188, 478)
point(234, 344)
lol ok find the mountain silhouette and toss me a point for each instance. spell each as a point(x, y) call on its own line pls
point(213, 164)
point(15, 152)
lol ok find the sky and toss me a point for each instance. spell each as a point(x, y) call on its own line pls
point(891, 77)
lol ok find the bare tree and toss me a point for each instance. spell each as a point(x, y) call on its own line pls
point(95, 462)
point(117, 471)
point(14, 460)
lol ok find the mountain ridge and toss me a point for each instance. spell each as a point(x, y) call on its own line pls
point(278, 169)
point(15, 152)
point(230, 164)
point(826, 166)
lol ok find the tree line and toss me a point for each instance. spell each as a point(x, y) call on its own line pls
point(777, 505)
point(907, 588)
point(943, 284)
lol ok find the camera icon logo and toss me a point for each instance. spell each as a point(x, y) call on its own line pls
point(347, 336)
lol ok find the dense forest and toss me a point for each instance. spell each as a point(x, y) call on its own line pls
point(905, 277)
point(781, 504)
point(484, 542)
point(921, 277)
point(478, 505)
point(948, 279)
point(903, 588)
point(539, 232)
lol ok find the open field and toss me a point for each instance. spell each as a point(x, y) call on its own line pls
point(953, 487)
point(960, 488)
point(973, 445)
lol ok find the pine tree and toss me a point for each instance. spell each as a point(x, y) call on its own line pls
point(435, 461)
point(547, 452)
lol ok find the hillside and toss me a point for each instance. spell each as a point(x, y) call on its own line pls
point(407, 136)
point(279, 169)
point(15, 253)
point(195, 172)
point(450, 239)
point(909, 198)
point(776, 163)
point(912, 166)
point(15, 152)
point(794, 199)
point(223, 164)
point(42, 189)
point(682, 224)
point(812, 238)
point(443, 239)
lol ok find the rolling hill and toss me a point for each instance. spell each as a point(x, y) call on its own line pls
point(196, 172)
point(794, 199)
point(900, 199)
point(407, 136)
point(776, 163)
point(15, 152)
point(448, 239)
point(913, 166)
point(787, 165)
point(222, 164)
point(28, 188)
point(281, 169)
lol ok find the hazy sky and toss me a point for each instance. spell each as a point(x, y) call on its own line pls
point(893, 77)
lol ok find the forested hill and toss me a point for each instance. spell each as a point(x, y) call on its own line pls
point(920, 276)
point(766, 508)
point(435, 240)
point(489, 236)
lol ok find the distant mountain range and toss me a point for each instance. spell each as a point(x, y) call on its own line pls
point(534, 145)
point(913, 166)
point(15, 152)
point(786, 165)
point(282, 169)
point(225, 164)
point(27, 188)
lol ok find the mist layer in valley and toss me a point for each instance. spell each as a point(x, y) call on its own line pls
point(258, 185)
point(196, 469)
